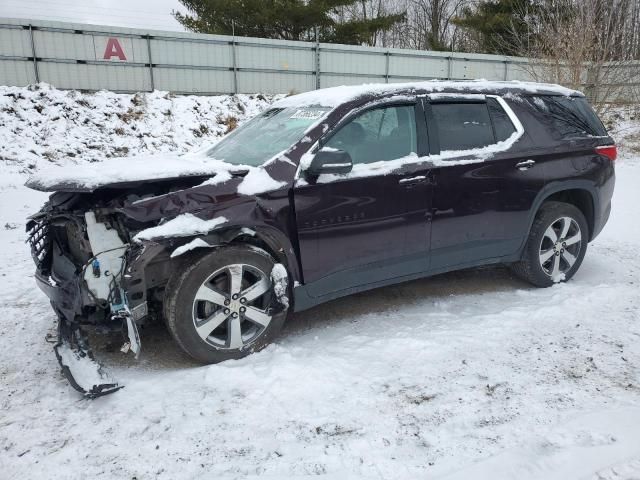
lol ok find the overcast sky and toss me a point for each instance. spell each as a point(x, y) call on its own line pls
point(153, 14)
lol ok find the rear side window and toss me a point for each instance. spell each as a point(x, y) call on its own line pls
point(502, 124)
point(570, 117)
point(463, 126)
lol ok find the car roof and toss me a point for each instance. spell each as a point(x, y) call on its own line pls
point(335, 96)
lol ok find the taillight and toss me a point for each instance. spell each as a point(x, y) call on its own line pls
point(609, 151)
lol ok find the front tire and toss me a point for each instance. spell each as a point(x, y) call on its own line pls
point(222, 305)
point(556, 246)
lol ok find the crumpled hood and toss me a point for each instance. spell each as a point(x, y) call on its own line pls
point(124, 172)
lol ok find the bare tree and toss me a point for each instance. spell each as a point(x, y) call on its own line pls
point(428, 24)
point(431, 26)
point(371, 9)
point(592, 45)
point(584, 44)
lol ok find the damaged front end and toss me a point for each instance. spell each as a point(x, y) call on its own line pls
point(88, 268)
point(105, 256)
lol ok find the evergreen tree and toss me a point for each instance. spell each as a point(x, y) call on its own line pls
point(500, 25)
point(282, 19)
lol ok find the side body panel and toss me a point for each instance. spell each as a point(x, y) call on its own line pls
point(481, 212)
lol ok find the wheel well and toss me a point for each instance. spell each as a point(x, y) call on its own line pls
point(237, 237)
point(579, 198)
point(159, 271)
point(259, 242)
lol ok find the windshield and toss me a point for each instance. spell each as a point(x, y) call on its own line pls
point(266, 135)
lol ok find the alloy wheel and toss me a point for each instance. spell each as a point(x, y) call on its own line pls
point(231, 307)
point(560, 247)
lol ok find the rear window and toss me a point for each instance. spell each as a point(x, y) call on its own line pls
point(463, 126)
point(571, 117)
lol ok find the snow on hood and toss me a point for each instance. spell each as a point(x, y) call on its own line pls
point(88, 177)
point(183, 225)
point(334, 96)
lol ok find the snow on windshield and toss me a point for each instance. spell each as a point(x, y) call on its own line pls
point(266, 135)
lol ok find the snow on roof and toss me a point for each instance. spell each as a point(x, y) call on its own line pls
point(334, 96)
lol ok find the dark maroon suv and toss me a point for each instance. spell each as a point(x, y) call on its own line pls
point(325, 194)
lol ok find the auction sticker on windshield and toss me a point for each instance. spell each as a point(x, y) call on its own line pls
point(309, 114)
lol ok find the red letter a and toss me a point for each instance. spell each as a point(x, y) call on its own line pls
point(113, 50)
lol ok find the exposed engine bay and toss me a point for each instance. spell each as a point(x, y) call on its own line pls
point(96, 275)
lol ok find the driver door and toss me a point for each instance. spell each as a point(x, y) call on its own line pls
point(373, 224)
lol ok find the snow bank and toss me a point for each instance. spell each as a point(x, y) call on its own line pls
point(46, 131)
point(623, 124)
point(43, 126)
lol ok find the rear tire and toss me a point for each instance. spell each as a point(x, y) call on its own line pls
point(556, 246)
point(222, 305)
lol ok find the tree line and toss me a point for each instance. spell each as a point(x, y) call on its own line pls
point(593, 45)
point(509, 27)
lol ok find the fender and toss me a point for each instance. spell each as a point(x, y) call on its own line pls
point(560, 186)
point(152, 262)
point(277, 242)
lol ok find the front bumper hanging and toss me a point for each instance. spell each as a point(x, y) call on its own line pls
point(71, 291)
point(78, 365)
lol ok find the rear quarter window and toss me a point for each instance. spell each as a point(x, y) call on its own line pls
point(502, 124)
point(568, 117)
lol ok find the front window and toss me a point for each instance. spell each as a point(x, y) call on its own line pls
point(266, 135)
point(381, 134)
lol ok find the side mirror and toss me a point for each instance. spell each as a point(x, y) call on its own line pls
point(330, 160)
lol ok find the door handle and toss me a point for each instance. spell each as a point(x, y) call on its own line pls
point(526, 165)
point(412, 180)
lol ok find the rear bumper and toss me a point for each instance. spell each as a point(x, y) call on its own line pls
point(603, 209)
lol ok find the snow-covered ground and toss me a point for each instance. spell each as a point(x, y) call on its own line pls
point(472, 374)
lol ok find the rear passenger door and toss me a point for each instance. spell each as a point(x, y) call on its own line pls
point(485, 183)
